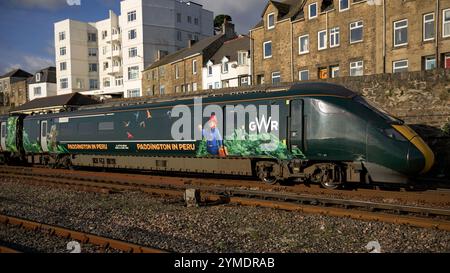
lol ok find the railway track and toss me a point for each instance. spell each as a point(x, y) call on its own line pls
point(86, 238)
point(419, 216)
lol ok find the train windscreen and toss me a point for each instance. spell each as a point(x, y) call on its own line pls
point(379, 111)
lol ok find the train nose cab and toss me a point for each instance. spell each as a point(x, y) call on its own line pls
point(420, 156)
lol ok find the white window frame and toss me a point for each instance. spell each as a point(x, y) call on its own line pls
point(356, 25)
point(133, 50)
point(325, 42)
point(268, 20)
point(427, 60)
point(242, 57)
point(129, 34)
point(132, 16)
point(333, 70)
point(425, 21)
point(225, 67)
point(340, 6)
point(399, 28)
point(300, 52)
point(37, 88)
point(162, 89)
point(335, 37)
point(131, 69)
point(194, 67)
point(210, 70)
point(92, 52)
point(38, 77)
point(132, 92)
point(194, 87)
point(309, 11)
point(62, 66)
point(300, 74)
point(61, 50)
point(177, 72)
point(64, 80)
point(62, 36)
point(279, 76)
point(445, 22)
point(91, 67)
point(264, 50)
point(401, 67)
point(356, 65)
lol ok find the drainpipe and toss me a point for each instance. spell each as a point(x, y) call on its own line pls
point(292, 52)
point(384, 36)
point(252, 60)
point(436, 33)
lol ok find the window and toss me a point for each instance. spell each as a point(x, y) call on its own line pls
point(189, 19)
point(195, 21)
point(93, 68)
point(303, 42)
point(188, 86)
point(92, 52)
point(242, 57)
point(133, 52)
point(356, 32)
point(132, 16)
point(276, 77)
point(92, 37)
point(62, 36)
point(63, 66)
point(38, 77)
point(177, 72)
point(177, 89)
point(105, 65)
point(428, 27)
point(106, 126)
point(312, 10)
point(104, 34)
point(210, 70)
point(217, 85)
point(267, 48)
point(343, 5)
point(224, 67)
point(3, 130)
point(244, 81)
point(93, 84)
point(183, 88)
point(179, 35)
point(105, 50)
point(357, 68)
point(119, 81)
point(162, 89)
point(429, 63)
point(132, 34)
point(322, 38)
point(271, 21)
point(401, 33)
point(334, 37)
point(62, 51)
point(303, 75)
point(179, 17)
point(400, 66)
point(133, 72)
point(194, 87)
point(334, 71)
point(106, 82)
point(64, 83)
point(80, 83)
point(134, 93)
point(323, 73)
point(37, 91)
point(194, 67)
point(446, 23)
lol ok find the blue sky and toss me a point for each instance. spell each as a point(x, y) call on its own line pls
point(26, 26)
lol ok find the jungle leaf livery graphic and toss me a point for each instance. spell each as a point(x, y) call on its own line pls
point(11, 137)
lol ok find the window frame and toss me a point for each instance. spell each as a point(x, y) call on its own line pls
point(133, 18)
point(325, 40)
point(356, 67)
point(264, 50)
point(340, 6)
point(309, 11)
point(273, 77)
point(395, 29)
point(62, 36)
point(300, 74)
point(396, 62)
point(337, 33)
point(268, 21)
point(61, 50)
point(37, 88)
point(132, 50)
point(356, 26)
point(424, 26)
point(91, 66)
point(132, 69)
point(444, 22)
point(426, 58)
point(62, 65)
point(242, 57)
point(194, 67)
point(300, 52)
point(64, 80)
point(132, 31)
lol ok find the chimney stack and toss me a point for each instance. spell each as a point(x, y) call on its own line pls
point(162, 54)
point(228, 29)
point(191, 43)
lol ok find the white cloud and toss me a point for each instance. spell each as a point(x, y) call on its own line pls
point(28, 63)
point(41, 4)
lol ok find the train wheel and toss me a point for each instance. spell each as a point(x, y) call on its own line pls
point(266, 172)
point(330, 176)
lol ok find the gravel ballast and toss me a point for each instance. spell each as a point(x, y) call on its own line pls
point(167, 224)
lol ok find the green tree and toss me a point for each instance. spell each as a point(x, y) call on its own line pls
point(218, 21)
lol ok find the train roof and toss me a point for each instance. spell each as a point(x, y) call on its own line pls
point(313, 89)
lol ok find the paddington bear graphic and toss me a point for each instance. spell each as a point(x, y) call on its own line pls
point(211, 134)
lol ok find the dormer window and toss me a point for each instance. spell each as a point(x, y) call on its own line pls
point(224, 65)
point(271, 21)
point(210, 68)
point(312, 8)
point(38, 77)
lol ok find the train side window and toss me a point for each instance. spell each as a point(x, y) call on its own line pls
point(44, 129)
point(3, 130)
point(106, 126)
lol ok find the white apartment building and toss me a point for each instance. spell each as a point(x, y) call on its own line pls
point(230, 65)
point(108, 57)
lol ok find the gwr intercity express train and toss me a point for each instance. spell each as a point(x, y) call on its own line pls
point(324, 134)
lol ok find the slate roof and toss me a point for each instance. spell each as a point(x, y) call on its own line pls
point(231, 48)
point(48, 75)
point(62, 101)
point(292, 9)
point(16, 73)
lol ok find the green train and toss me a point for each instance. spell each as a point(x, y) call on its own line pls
point(315, 132)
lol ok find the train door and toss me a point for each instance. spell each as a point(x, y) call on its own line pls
point(296, 131)
point(44, 136)
point(3, 136)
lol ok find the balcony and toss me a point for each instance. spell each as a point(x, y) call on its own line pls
point(115, 55)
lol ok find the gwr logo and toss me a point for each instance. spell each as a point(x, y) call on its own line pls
point(258, 125)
